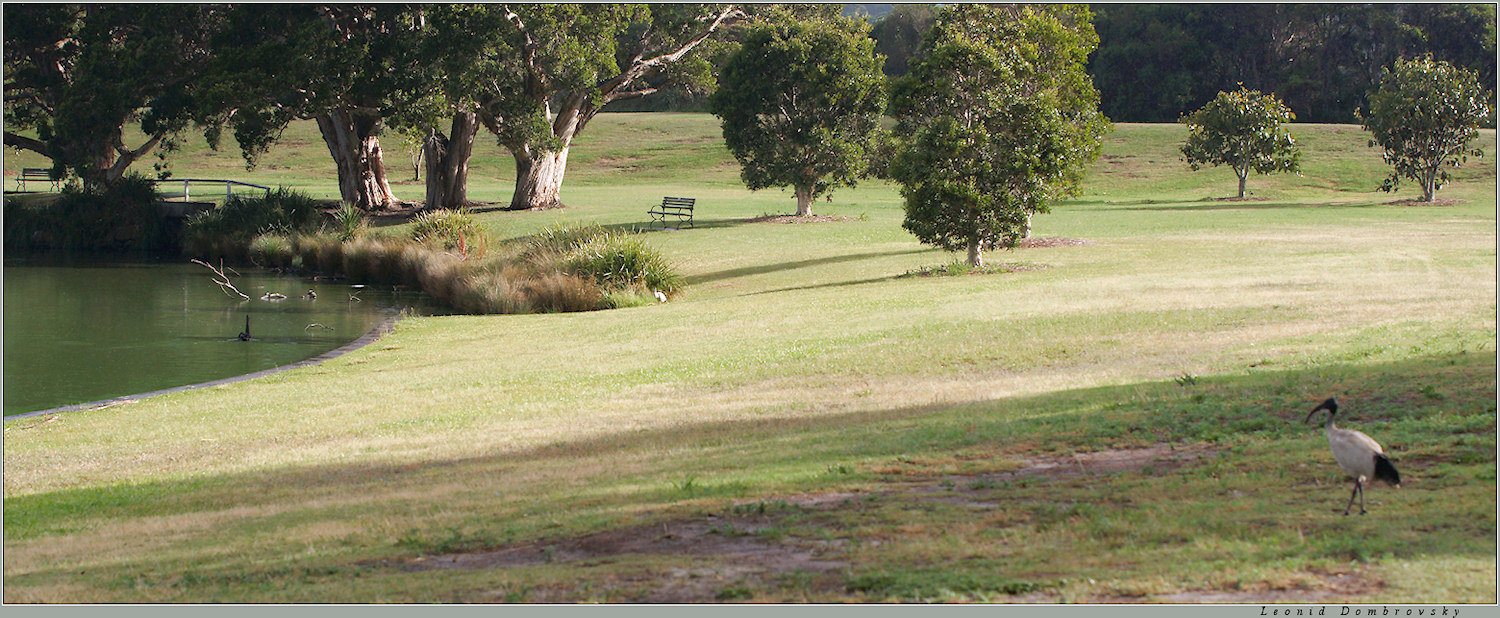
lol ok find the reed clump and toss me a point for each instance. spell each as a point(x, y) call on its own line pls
point(448, 255)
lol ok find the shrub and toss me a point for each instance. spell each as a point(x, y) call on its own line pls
point(436, 273)
point(240, 219)
point(619, 261)
point(272, 250)
point(492, 292)
point(562, 239)
point(121, 217)
point(448, 230)
point(563, 292)
point(348, 222)
point(355, 261)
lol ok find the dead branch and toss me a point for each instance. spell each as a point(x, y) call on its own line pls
point(221, 279)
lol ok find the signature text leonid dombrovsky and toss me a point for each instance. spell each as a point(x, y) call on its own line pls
point(1383, 611)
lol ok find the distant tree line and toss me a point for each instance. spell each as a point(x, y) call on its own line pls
point(1156, 62)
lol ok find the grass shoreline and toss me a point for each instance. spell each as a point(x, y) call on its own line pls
point(799, 361)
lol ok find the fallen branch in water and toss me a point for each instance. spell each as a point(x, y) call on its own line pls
point(222, 280)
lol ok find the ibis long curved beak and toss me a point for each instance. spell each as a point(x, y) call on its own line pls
point(1330, 404)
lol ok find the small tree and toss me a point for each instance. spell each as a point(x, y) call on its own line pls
point(800, 102)
point(1424, 114)
point(996, 120)
point(1242, 129)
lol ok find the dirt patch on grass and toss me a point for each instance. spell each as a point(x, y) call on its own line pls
point(1158, 457)
point(1043, 243)
point(1332, 587)
point(797, 219)
point(704, 558)
point(1420, 203)
point(960, 488)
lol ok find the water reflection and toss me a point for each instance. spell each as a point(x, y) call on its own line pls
point(82, 332)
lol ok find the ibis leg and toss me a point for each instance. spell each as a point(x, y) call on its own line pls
point(1351, 498)
point(1361, 497)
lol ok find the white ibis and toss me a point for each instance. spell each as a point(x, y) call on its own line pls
point(1357, 454)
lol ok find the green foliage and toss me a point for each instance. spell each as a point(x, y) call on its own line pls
point(448, 230)
point(1242, 129)
point(520, 67)
point(899, 33)
point(78, 77)
point(623, 261)
point(800, 103)
point(1424, 115)
point(116, 218)
point(348, 222)
point(616, 261)
point(998, 120)
point(239, 219)
point(272, 251)
point(1157, 62)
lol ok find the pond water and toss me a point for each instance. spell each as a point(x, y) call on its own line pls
point(77, 333)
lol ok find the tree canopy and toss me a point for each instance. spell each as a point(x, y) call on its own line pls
point(1424, 115)
point(1156, 62)
point(1242, 129)
point(800, 103)
point(536, 74)
point(998, 119)
point(79, 75)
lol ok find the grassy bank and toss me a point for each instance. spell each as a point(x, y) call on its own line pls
point(1117, 419)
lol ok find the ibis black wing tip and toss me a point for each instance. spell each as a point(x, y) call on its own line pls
point(1386, 471)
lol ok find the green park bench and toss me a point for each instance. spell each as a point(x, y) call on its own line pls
point(680, 207)
point(34, 173)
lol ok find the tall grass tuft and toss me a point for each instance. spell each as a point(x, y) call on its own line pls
point(615, 261)
point(272, 251)
point(621, 261)
point(229, 228)
point(449, 230)
point(564, 292)
point(348, 222)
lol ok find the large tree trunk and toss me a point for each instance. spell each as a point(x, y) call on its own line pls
point(804, 201)
point(1243, 174)
point(447, 161)
point(107, 161)
point(539, 171)
point(1026, 226)
point(351, 139)
point(539, 178)
point(976, 253)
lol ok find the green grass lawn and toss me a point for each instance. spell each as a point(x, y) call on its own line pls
point(1116, 420)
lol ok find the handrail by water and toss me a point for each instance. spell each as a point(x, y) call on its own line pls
point(228, 185)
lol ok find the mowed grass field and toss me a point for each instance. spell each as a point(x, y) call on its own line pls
point(1117, 419)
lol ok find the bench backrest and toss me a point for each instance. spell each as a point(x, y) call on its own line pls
point(36, 172)
point(678, 202)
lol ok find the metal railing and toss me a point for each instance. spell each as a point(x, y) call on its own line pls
point(187, 184)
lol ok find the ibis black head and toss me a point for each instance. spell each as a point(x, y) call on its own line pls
point(1330, 404)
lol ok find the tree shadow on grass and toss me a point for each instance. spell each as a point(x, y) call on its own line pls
point(1209, 204)
point(1257, 419)
point(784, 266)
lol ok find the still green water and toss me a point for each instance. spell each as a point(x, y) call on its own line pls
point(84, 332)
